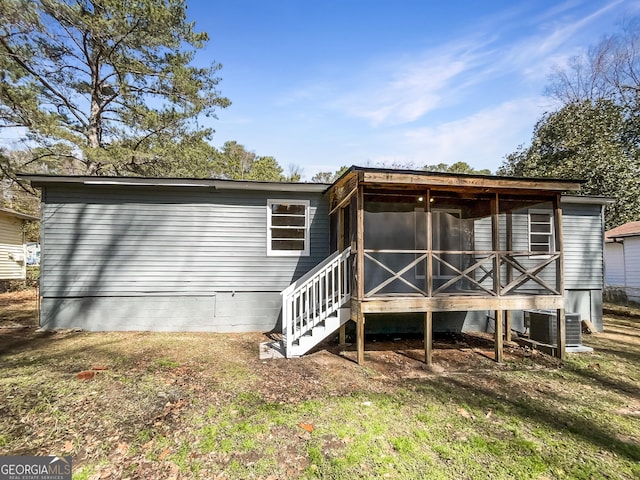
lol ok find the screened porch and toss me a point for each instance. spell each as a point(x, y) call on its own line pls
point(425, 242)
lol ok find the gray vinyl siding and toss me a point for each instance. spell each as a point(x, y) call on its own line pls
point(582, 231)
point(614, 261)
point(11, 243)
point(167, 259)
point(107, 241)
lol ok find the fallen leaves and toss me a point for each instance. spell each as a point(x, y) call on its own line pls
point(464, 413)
point(169, 410)
point(306, 426)
point(163, 454)
point(89, 374)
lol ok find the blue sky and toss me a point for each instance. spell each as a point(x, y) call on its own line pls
point(325, 83)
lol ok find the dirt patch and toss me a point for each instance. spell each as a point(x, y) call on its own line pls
point(19, 309)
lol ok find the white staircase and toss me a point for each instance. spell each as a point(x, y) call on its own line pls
point(315, 306)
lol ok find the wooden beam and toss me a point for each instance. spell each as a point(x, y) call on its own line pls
point(458, 303)
point(428, 337)
point(415, 179)
point(395, 275)
point(495, 245)
point(342, 334)
point(507, 326)
point(340, 189)
point(498, 337)
point(530, 274)
point(345, 200)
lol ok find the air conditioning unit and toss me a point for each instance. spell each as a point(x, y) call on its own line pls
point(543, 329)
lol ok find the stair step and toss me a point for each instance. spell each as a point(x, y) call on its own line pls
point(318, 333)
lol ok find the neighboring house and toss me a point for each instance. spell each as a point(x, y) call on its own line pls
point(622, 259)
point(218, 255)
point(33, 253)
point(12, 240)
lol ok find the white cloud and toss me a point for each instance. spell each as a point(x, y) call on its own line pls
point(535, 55)
point(480, 139)
point(405, 90)
point(401, 92)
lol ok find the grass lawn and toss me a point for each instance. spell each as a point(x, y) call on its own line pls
point(194, 405)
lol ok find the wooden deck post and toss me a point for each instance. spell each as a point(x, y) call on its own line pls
point(342, 335)
point(497, 284)
point(498, 336)
point(428, 337)
point(360, 338)
point(507, 326)
point(359, 290)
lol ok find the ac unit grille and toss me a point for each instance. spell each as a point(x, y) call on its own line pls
point(542, 327)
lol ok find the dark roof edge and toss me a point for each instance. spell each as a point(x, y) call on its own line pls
point(587, 199)
point(43, 180)
point(427, 173)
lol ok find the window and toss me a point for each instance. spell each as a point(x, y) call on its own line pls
point(541, 231)
point(288, 227)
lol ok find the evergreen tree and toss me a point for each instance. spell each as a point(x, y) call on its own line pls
point(104, 86)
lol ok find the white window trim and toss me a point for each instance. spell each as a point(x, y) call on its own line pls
point(551, 235)
point(288, 253)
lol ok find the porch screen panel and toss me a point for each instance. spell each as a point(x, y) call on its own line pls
point(395, 243)
point(461, 239)
point(529, 228)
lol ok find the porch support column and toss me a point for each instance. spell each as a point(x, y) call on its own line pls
point(498, 340)
point(359, 290)
point(559, 247)
point(497, 286)
point(360, 338)
point(507, 326)
point(342, 335)
point(428, 337)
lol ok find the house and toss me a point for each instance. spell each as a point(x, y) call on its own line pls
point(462, 252)
point(622, 259)
point(12, 240)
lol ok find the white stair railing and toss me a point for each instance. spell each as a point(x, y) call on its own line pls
point(314, 297)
